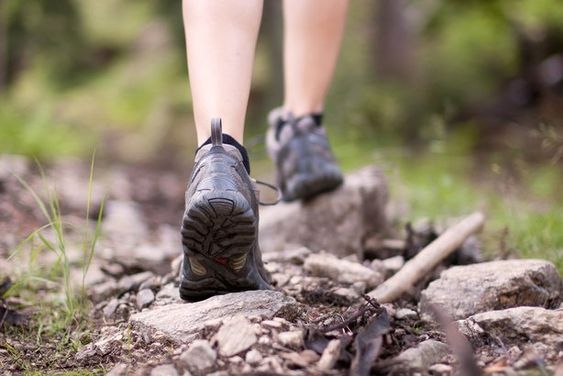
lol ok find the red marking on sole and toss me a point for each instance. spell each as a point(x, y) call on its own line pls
point(221, 260)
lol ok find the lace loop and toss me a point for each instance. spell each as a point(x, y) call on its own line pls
point(271, 186)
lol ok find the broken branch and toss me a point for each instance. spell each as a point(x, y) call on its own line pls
point(427, 259)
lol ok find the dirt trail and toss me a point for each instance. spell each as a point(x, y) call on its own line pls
point(317, 320)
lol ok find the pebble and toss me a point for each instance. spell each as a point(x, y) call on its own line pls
point(330, 355)
point(405, 313)
point(440, 369)
point(199, 356)
point(132, 282)
point(144, 298)
point(293, 339)
point(111, 307)
point(394, 264)
point(272, 324)
point(253, 357)
point(164, 370)
point(235, 336)
point(339, 270)
point(350, 295)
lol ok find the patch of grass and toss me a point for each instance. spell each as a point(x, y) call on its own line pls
point(522, 202)
point(59, 324)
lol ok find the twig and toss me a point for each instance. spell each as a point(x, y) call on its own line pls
point(427, 259)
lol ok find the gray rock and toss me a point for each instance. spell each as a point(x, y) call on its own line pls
point(102, 291)
point(165, 319)
point(120, 369)
point(393, 264)
point(144, 298)
point(200, 356)
point(292, 339)
point(164, 370)
point(343, 271)
point(111, 307)
point(349, 295)
point(168, 294)
point(108, 343)
point(337, 223)
point(415, 359)
point(330, 355)
point(236, 335)
point(465, 290)
point(132, 282)
point(405, 313)
point(512, 325)
point(253, 357)
point(441, 369)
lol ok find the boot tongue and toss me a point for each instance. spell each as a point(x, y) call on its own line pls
point(216, 132)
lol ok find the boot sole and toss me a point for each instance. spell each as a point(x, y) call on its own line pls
point(219, 232)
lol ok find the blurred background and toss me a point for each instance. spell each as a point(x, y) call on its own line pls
point(460, 101)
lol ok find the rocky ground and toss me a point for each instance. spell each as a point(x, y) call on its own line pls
point(468, 316)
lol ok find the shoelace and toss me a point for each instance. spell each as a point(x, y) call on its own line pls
point(272, 187)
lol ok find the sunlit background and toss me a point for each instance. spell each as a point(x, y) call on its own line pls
point(461, 102)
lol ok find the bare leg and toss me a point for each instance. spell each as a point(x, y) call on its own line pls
point(220, 40)
point(313, 31)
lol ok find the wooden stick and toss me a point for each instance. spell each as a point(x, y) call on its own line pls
point(427, 259)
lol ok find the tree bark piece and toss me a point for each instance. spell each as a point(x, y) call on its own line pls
point(428, 258)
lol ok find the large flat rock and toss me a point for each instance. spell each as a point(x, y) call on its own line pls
point(338, 222)
point(511, 326)
point(466, 290)
point(181, 322)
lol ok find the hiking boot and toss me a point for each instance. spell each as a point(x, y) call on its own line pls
point(220, 225)
point(304, 161)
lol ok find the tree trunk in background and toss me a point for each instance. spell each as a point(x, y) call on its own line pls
point(3, 48)
point(394, 47)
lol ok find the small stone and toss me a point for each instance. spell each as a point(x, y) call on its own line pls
point(264, 341)
point(236, 359)
point(281, 279)
point(309, 356)
point(253, 357)
point(295, 359)
point(405, 313)
point(293, 339)
point(326, 265)
point(132, 282)
point(164, 370)
point(415, 359)
point(152, 283)
point(103, 290)
point(111, 307)
point(199, 356)
point(272, 324)
point(235, 336)
point(394, 264)
point(350, 295)
point(106, 344)
point(440, 369)
point(120, 369)
point(144, 298)
point(169, 292)
point(359, 287)
point(330, 355)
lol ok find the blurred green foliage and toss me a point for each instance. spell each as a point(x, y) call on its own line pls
point(111, 75)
